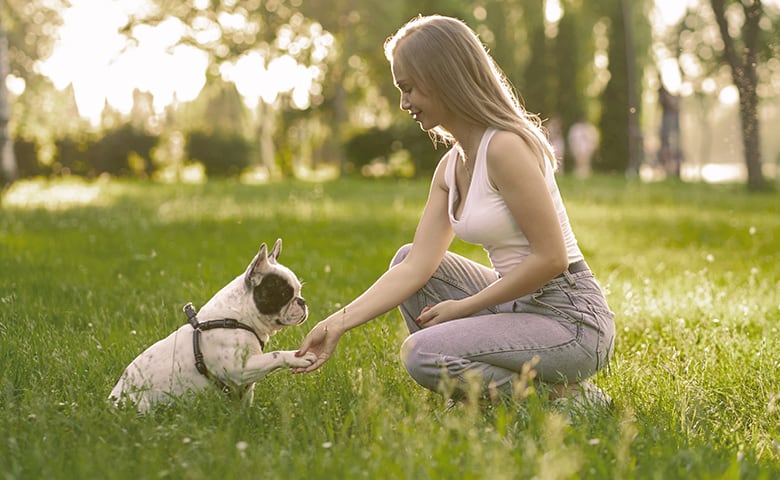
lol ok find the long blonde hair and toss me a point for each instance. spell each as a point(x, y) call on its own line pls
point(446, 59)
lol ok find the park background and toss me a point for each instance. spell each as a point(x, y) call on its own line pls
point(149, 147)
point(270, 89)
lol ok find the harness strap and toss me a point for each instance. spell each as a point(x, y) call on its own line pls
point(198, 327)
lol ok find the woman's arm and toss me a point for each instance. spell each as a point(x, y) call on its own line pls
point(431, 239)
point(519, 176)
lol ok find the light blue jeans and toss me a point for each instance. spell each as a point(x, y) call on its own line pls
point(567, 325)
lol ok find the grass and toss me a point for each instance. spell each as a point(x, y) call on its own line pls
point(91, 274)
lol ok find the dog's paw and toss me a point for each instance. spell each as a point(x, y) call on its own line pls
point(304, 361)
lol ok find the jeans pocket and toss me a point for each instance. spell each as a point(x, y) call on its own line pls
point(557, 304)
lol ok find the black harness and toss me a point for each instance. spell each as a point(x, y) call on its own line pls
point(198, 327)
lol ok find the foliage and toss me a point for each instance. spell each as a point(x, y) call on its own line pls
point(26, 153)
point(742, 55)
point(71, 157)
point(551, 65)
point(380, 144)
point(124, 151)
point(222, 154)
point(362, 148)
point(29, 24)
point(573, 48)
point(96, 271)
point(613, 123)
point(536, 91)
point(39, 111)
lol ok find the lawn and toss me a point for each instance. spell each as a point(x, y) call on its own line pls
point(92, 273)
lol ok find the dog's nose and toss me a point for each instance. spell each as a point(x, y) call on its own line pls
point(301, 302)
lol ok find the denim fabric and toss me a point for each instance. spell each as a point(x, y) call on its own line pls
point(566, 324)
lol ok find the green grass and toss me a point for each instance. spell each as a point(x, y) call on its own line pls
point(87, 282)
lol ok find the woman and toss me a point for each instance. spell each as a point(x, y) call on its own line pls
point(495, 187)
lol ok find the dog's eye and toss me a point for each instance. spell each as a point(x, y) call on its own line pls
point(273, 293)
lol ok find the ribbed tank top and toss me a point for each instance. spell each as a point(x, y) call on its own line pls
point(486, 220)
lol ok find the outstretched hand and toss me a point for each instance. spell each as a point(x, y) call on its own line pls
point(321, 343)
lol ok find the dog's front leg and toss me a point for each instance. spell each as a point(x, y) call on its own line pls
point(258, 366)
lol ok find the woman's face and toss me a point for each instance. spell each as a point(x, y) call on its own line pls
point(421, 106)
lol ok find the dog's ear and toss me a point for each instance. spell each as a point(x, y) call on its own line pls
point(254, 272)
point(276, 251)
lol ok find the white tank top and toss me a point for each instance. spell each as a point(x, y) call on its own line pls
point(486, 220)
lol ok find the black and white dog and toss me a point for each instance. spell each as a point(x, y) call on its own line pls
point(222, 345)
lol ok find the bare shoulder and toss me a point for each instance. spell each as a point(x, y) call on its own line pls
point(503, 139)
point(509, 154)
point(438, 175)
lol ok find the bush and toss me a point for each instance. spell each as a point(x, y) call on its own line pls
point(26, 153)
point(381, 144)
point(70, 157)
point(222, 154)
point(368, 146)
point(123, 152)
point(424, 155)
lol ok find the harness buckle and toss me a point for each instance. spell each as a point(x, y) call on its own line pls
point(192, 315)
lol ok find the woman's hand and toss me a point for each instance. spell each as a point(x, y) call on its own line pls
point(321, 341)
point(440, 313)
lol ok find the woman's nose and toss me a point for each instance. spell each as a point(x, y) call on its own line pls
point(405, 105)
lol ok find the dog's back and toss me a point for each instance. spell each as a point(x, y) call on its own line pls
point(162, 370)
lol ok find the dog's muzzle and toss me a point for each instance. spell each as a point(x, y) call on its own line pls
point(295, 313)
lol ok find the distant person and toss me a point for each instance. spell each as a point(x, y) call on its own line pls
point(496, 186)
point(583, 143)
point(670, 153)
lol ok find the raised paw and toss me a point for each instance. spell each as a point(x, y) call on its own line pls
point(300, 362)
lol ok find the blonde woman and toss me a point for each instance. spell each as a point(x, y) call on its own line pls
point(539, 301)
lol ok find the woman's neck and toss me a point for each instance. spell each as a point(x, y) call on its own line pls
point(469, 138)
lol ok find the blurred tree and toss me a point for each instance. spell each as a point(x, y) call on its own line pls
point(38, 112)
point(538, 86)
point(613, 122)
point(142, 113)
point(358, 92)
point(223, 29)
point(8, 166)
point(705, 65)
point(619, 123)
point(227, 30)
point(222, 153)
point(217, 115)
point(25, 36)
point(741, 50)
point(354, 27)
point(573, 69)
point(124, 151)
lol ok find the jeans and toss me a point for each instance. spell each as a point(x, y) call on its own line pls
point(566, 326)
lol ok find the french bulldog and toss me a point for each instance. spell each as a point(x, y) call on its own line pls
point(222, 345)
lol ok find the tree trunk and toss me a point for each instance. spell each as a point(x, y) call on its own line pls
point(8, 168)
point(743, 73)
point(751, 141)
point(634, 132)
point(267, 118)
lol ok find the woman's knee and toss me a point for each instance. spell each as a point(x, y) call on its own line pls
point(416, 361)
point(400, 255)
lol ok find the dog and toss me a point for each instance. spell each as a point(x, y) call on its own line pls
point(222, 345)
